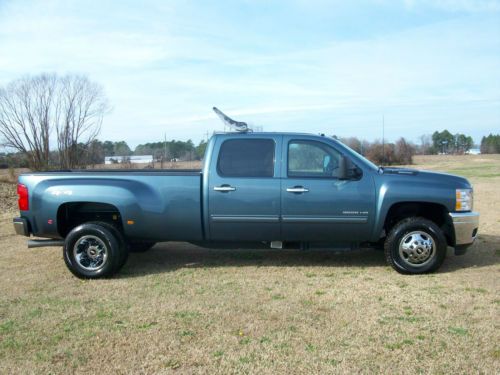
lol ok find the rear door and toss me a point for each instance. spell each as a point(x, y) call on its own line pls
point(316, 204)
point(244, 188)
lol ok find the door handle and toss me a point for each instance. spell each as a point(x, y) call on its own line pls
point(297, 190)
point(224, 188)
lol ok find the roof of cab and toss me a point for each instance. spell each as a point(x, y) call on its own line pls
point(269, 133)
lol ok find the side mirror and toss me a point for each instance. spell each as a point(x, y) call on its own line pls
point(343, 168)
point(348, 170)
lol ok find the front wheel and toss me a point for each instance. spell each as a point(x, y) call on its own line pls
point(415, 245)
point(93, 251)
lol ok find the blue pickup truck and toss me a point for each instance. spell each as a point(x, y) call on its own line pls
point(279, 190)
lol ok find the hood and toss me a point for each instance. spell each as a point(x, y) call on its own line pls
point(455, 181)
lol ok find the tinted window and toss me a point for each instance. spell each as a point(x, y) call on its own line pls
point(246, 158)
point(312, 159)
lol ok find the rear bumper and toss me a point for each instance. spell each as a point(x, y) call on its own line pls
point(21, 226)
point(465, 226)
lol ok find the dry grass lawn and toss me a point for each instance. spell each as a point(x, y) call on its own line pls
point(179, 308)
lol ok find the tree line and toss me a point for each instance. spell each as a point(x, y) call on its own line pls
point(383, 153)
point(446, 143)
point(161, 151)
point(490, 144)
point(94, 153)
point(402, 151)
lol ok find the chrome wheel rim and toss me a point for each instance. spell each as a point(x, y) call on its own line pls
point(90, 253)
point(417, 248)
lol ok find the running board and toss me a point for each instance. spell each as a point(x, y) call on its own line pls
point(44, 243)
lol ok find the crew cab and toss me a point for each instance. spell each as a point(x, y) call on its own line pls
point(281, 190)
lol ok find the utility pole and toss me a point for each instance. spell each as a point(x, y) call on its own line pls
point(165, 146)
point(383, 139)
point(164, 157)
point(207, 134)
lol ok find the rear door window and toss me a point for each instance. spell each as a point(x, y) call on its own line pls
point(246, 158)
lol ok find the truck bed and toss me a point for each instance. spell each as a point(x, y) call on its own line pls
point(157, 205)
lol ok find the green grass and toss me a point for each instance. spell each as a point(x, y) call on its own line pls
point(481, 166)
point(485, 171)
point(458, 331)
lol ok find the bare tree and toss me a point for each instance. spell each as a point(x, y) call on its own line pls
point(31, 108)
point(27, 112)
point(353, 143)
point(404, 152)
point(425, 144)
point(82, 107)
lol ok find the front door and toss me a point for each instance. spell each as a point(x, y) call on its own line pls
point(316, 204)
point(244, 189)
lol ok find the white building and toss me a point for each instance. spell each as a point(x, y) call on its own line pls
point(135, 159)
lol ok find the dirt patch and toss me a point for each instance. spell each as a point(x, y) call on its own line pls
point(8, 197)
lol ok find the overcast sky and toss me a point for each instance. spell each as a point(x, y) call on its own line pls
point(333, 67)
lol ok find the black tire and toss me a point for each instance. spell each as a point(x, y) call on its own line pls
point(94, 250)
point(421, 240)
point(124, 252)
point(141, 247)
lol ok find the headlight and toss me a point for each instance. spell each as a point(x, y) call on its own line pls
point(463, 200)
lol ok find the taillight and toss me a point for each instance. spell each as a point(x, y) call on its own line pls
point(23, 201)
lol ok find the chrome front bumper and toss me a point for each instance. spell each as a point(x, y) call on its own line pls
point(466, 225)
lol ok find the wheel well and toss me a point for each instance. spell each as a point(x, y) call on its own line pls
point(70, 215)
point(434, 212)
